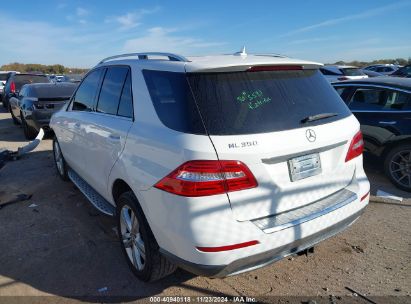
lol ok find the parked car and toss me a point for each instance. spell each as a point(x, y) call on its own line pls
point(217, 164)
point(403, 72)
point(16, 81)
point(4, 76)
point(335, 73)
point(385, 69)
point(36, 103)
point(383, 107)
point(370, 73)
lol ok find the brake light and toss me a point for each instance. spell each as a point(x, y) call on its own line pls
point(208, 177)
point(260, 68)
point(12, 87)
point(356, 147)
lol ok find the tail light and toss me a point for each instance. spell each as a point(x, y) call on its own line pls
point(356, 147)
point(208, 177)
point(12, 87)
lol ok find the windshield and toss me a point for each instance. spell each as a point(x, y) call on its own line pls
point(242, 102)
point(3, 76)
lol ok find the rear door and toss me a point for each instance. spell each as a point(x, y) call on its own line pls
point(382, 112)
point(259, 118)
point(106, 129)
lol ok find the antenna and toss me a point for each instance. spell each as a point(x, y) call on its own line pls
point(242, 53)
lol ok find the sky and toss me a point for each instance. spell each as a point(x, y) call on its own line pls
point(80, 33)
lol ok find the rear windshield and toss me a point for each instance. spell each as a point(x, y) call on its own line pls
point(21, 80)
point(352, 72)
point(53, 91)
point(242, 102)
point(3, 76)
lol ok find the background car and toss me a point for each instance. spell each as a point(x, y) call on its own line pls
point(4, 76)
point(403, 72)
point(36, 103)
point(335, 73)
point(383, 107)
point(385, 69)
point(16, 81)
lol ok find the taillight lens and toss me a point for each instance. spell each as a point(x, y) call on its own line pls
point(356, 147)
point(208, 177)
point(12, 87)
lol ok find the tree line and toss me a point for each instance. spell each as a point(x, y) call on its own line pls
point(360, 64)
point(41, 68)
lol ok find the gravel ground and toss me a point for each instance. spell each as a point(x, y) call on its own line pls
point(56, 244)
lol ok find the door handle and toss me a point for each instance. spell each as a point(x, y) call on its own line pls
point(387, 122)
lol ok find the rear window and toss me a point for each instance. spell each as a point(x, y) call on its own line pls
point(3, 76)
point(21, 80)
point(242, 102)
point(352, 72)
point(52, 91)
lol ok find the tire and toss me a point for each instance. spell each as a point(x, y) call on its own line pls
point(15, 121)
point(59, 161)
point(29, 132)
point(397, 166)
point(140, 245)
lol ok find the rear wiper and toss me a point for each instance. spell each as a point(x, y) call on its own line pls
point(317, 117)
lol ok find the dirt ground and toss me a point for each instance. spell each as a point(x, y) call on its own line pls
point(56, 244)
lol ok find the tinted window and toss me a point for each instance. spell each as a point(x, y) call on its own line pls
point(21, 80)
point(84, 98)
point(111, 90)
point(3, 76)
point(378, 99)
point(245, 102)
point(125, 107)
point(352, 72)
point(173, 101)
point(52, 91)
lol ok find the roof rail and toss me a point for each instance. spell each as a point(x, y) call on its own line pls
point(171, 56)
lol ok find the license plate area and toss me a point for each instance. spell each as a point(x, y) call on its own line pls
point(304, 166)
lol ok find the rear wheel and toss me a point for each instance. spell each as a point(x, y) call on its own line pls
point(59, 161)
point(29, 132)
point(138, 242)
point(397, 166)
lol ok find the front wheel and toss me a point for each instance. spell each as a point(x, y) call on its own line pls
point(397, 166)
point(59, 161)
point(138, 242)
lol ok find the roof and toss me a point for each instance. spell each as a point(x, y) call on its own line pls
point(395, 82)
point(233, 62)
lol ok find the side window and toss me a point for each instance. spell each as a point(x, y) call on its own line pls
point(340, 90)
point(86, 93)
point(111, 89)
point(378, 99)
point(125, 107)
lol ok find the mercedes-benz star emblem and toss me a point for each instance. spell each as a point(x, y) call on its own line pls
point(310, 134)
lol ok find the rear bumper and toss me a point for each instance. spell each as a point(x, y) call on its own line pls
point(265, 258)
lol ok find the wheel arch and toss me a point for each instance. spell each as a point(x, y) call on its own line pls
point(394, 144)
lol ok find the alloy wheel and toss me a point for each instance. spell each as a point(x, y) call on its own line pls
point(400, 168)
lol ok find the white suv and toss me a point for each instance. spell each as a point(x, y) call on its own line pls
point(217, 164)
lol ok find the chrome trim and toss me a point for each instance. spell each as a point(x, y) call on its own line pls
point(265, 224)
point(387, 122)
point(371, 85)
point(282, 158)
point(144, 55)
